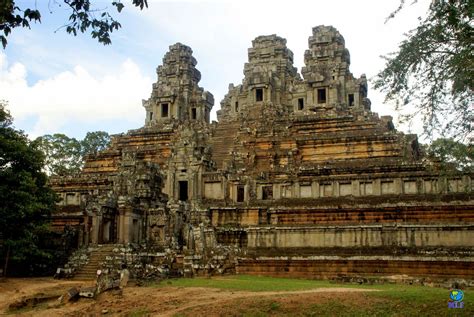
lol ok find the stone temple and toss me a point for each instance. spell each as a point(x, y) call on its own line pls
point(298, 177)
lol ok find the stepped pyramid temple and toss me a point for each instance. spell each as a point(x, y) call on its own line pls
point(297, 178)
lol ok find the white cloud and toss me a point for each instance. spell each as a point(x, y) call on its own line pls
point(63, 82)
point(220, 32)
point(74, 96)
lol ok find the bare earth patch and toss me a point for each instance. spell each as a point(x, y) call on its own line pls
point(165, 301)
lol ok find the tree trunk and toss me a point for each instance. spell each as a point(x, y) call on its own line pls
point(7, 258)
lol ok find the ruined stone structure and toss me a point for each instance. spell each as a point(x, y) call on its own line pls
point(298, 176)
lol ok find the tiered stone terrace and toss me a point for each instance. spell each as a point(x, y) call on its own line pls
point(298, 176)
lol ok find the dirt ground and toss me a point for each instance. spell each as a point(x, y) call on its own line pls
point(162, 301)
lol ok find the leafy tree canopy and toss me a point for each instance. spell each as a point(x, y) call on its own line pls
point(65, 155)
point(26, 200)
point(432, 71)
point(451, 153)
point(94, 142)
point(84, 17)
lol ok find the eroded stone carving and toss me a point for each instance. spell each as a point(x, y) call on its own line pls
point(296, 166)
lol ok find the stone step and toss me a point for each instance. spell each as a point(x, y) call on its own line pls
point(96, 257)
point(84, 278)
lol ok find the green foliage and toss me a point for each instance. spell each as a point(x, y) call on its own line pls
point(452, 153)
point(26, 200)
point(84, 17)
point(65, 155)
point(11, 17)
point(432, 72)
point(94, 142)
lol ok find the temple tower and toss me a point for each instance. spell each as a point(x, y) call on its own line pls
point(176, 95)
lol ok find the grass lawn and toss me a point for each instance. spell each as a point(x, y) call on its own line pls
point(388, 300)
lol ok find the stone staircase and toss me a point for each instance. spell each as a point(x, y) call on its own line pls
point(222, 142)
point(96, 257)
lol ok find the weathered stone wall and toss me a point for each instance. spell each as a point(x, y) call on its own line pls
point(296, 164)
point(334, 266)
point(447, 235)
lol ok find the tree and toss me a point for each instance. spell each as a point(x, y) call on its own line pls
point(26, 200)
point(94, 142)
point(83, 17)
point(452, 154)
point(432, 72)
point(65, 155)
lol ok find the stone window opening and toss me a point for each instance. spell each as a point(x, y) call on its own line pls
point(259, 94)
point(325, 190)
point(164, 110)
point(70, 198)
point(193, 113)
point(300, 103)
point(236, 106)
point(151, 115)
point(351, 100)
point(240, 193)
point(387, 187)
point(366, 188)
point(322, 95)
point(267, 192)
point(183, 190)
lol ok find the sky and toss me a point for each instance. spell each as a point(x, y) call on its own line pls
point(58, 83)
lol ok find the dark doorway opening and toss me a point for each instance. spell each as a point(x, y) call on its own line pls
point(300, 103)
point(107, 229)
point(193, 113)
point(164, 110)
point(351, 100)
point(322, 95)
point(183, 190)
point(259, 94)
point(267, 192)
point(240, 193)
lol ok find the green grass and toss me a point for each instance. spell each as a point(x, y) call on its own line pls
point(248, 283)
point(389, 300)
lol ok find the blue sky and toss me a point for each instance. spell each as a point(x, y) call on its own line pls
point(55, 82)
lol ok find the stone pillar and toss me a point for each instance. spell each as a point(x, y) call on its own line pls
point(276, 191)
point(297, 191)
point(398, 186)
point(377, 187)
point(96, 222)
point(125, 224)
point(356, 188)
point(315, 189)
point(310, 97)
point(127, 228)
point(335, 189)
point(199, 185)
point(120, 228)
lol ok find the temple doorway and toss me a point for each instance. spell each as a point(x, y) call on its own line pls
point(108, 230)
point(183, 190)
